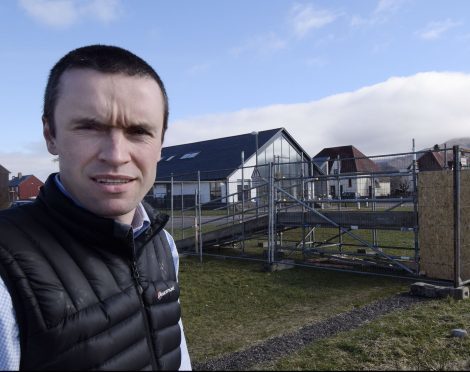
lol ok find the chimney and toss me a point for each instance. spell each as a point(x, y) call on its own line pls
point(19, 175)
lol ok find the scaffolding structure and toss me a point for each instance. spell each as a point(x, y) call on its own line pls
point(293, 219)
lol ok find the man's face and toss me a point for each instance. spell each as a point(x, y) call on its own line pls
point(108, 139)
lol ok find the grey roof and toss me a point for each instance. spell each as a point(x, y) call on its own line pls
point(216, 159)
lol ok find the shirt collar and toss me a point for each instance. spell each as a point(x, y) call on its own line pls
point(140, 222)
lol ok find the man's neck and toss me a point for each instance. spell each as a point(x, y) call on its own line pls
point(134, 218)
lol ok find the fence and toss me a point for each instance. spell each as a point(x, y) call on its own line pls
point(359, 214)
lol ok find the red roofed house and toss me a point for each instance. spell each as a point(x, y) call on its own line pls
point(24, 187)
point(347, 161)
point(433, 160)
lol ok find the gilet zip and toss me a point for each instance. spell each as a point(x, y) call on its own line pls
point(140, 290)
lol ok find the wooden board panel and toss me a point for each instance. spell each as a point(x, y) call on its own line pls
point(436, 224)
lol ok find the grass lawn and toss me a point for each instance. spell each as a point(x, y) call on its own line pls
point(229, 305)
point(415, 339)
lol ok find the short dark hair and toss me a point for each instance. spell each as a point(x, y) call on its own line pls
point(102, 58)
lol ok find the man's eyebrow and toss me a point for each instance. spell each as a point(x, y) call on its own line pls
point(89, 121)
point(99, 124)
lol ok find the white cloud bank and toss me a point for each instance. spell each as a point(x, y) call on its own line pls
point(64, 13)
point(380, 119)
point(383, 118)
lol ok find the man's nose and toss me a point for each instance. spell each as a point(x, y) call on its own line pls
point(114, 148)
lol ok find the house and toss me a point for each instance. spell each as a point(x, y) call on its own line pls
point(4, 175)
point(24, 187)
point(432, 160)
point(349, 174)
point(229, 166)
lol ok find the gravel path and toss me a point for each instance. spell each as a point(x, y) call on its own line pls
point(281, 346)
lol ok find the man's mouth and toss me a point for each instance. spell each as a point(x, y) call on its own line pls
point(112, 181)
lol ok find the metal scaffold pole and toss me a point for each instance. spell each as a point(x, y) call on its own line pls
point(457, 168)
point(199, 209)
point(196, 224)
point(271, 232)
point(374, 208)
point(171, 206)
point(303, 200)
point(182, 211)
point(243, 203)
point(415, 208)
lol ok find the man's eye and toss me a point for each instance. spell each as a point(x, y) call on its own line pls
point(87, 127)
point(138, 131)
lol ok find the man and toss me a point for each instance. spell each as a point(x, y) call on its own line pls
point(89, 276)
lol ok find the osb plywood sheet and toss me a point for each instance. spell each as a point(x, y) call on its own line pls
point(436, 224)
point(440, 178)
point(438, 271)
point(465, 223)
point(465, 266)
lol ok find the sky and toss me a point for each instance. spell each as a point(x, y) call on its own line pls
point(370, 73)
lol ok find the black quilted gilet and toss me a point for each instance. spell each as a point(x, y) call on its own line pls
point(86, 294)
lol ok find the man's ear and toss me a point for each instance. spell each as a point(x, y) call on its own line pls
point(50, 139)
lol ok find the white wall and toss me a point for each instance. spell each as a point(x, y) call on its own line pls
point(383, 189)
point(361, 186)
point(234, 178)
point(189, 188)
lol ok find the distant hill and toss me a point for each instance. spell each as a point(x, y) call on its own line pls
point(402, 162)
point(463, 142)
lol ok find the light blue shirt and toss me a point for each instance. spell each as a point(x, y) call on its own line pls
point(10, 352)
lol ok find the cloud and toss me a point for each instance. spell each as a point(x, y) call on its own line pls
point(430, 107)
point(304, 18)
point(34, 160)
point(261, 44)
point(65, 13)
point(382, 12)
point(388, 6)
point(199, 69)
point(379, 119)
point(434, 30)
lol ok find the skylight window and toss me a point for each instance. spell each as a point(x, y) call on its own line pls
point(170, 157)
point(190, 155)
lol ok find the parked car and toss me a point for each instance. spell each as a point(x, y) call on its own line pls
point(17, 203)
point(350, 195)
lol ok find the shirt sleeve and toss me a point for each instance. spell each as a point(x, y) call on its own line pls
point(185, 360)
point(9, 335)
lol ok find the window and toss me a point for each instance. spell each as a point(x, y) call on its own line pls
point(215, 190)
point(170, 157)
point(245, 190)
point(333, 191)
point(349, 182)
point(190, 155)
